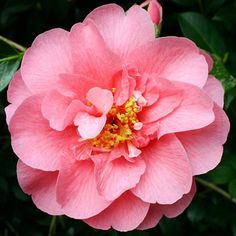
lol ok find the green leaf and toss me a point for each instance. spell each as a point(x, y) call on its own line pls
point(232, 188)
point(202, 32)
point(8, 67)
point(185, 2)
point(221, 175)
point(221, 73)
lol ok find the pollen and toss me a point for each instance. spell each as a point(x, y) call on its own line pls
point(120, 125)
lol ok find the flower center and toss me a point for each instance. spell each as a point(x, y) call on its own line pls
point(121, 121)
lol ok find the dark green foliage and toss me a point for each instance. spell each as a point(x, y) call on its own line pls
point(211, 25)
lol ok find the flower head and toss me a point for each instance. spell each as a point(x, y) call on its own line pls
point(111, 124)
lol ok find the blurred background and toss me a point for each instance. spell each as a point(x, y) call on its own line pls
point(211, 24)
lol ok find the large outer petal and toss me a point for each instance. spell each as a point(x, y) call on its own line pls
point(49, 55)
point(91, 56)
point(77, 191)
point(117, 176)
point(123, 32)
point(17, 92)
point(41, 185)
point(171, 58)
point(34, 142)
point(204, 146)
point(215, 90)
point(168, 173)
point(124, 214)
point(195, 111)
point(178, 207)
point(152, 218)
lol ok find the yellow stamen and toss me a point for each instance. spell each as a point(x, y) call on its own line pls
point(119, 126)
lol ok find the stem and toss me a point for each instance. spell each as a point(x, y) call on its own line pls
point(52, 228)
point(13, 44)
point(216, 189)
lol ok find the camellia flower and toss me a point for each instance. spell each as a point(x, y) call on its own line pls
point(111, 124)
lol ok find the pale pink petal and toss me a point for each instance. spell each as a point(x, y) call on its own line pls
point(89, 126)
point(17, 92)
point(34, 142)
point(60, 110)
point(115, 177)
point(77, 191)
point(178, 207)
point(49, 55)
point(91, 56)
point(124, 214)
point(169, 98)
point(123, 32)
point(195, 111)
point(102, 99)
point(152, 218)
point(41, 185)
point(215, 90)
point(168, 173)
point(204, 146)
point(133, 151)
point(172, 58)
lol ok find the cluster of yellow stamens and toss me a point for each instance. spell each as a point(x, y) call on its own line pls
point(119, 126)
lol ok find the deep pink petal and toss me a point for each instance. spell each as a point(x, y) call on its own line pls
point(204, 146)
point(195, 111)
point(123, 32)
point(116, 177)
point(49, 56)
point(41, 185)
point(155, 11)
point(215, 90)
point(102, 99)
point(91, 56)
point(168, 173)
point(178, 207)
point(124, 214)
point(89, 126)
point(152, 218)
point(34, 142)
point(77, 191)
point(172, 58)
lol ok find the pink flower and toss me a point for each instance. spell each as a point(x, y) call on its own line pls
point(155, 10)
point(111, 124)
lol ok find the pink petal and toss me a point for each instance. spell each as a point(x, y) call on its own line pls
point(123, 32)
point(215, 90)
point(172, 58)
point(115, 177)
point(48, 57)
point(17, 92)
point(168, 173)
point(89, 126)
point(91, 56)
point(152, 218)
point(169, 99)
point(204, 146)
point(41, 185)
point(178, 207)
point(77, 191)
point(124, 214)
point(34, 142)
point(102, 99)
point(208, 59)
point(195, 111)
point(60, 110)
